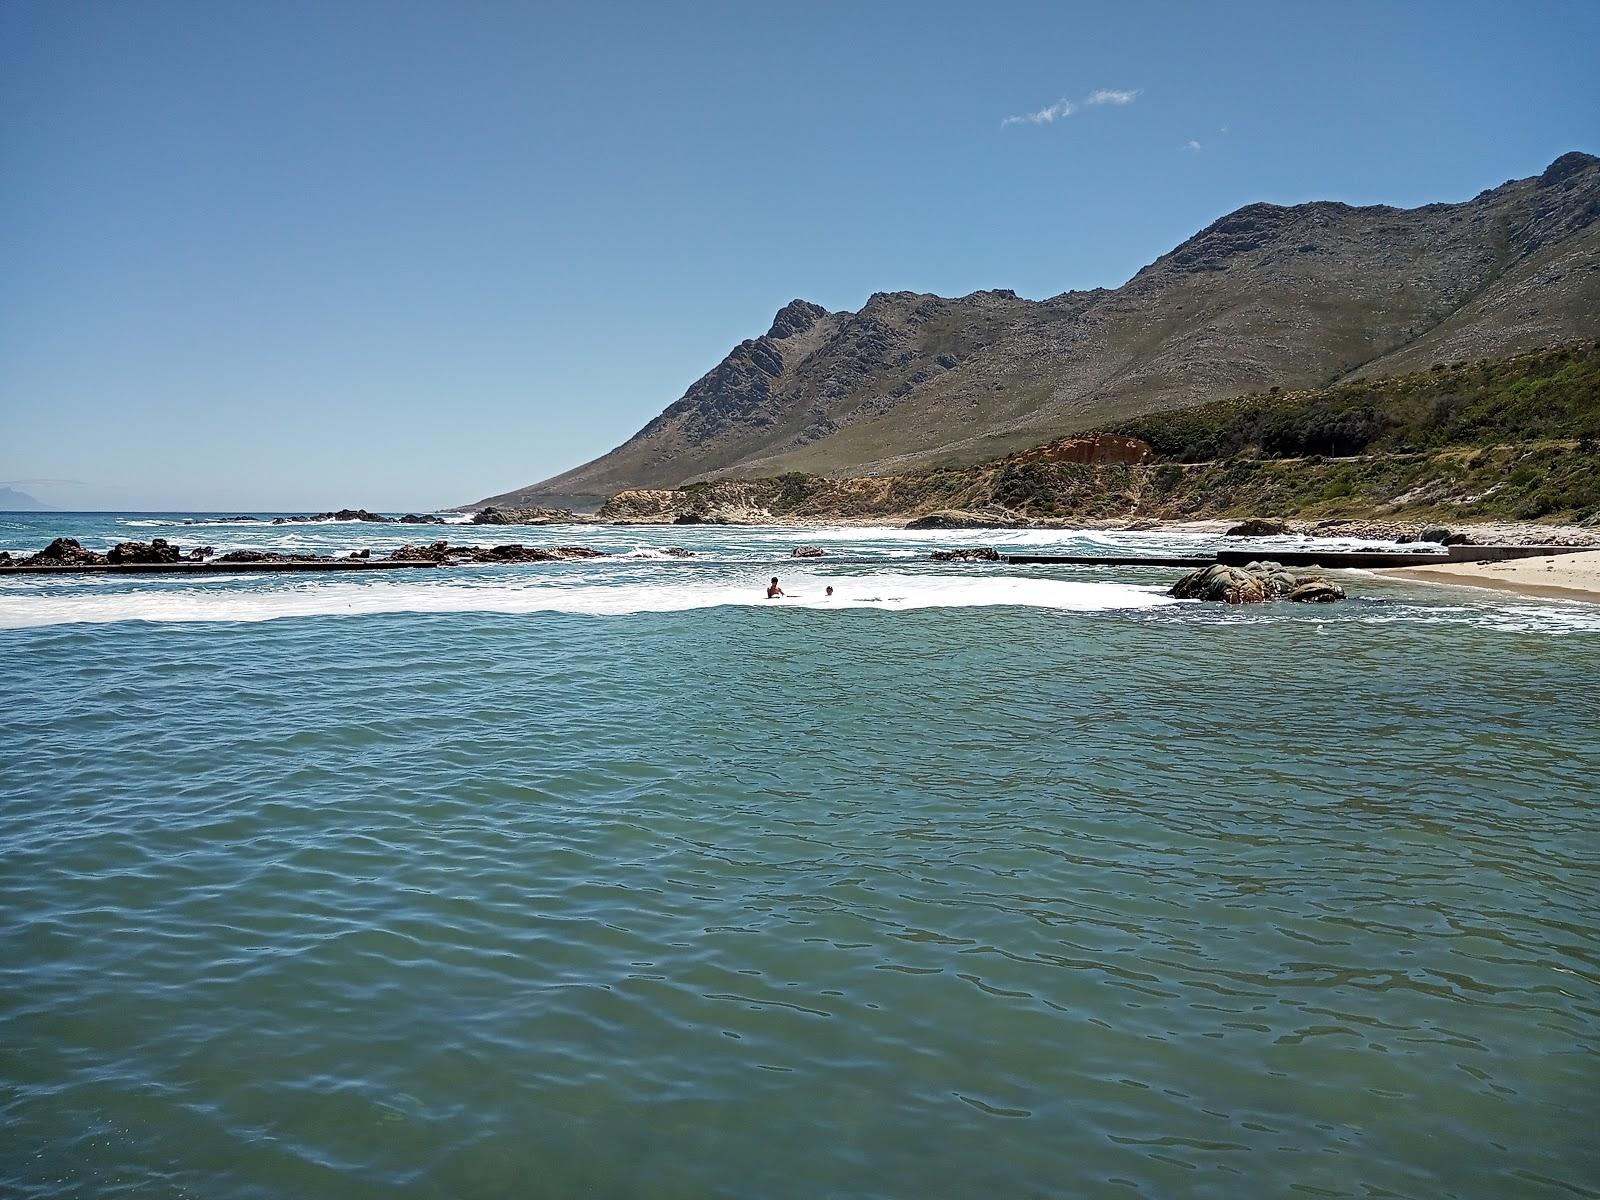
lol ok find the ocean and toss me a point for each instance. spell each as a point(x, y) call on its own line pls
point(612, 878)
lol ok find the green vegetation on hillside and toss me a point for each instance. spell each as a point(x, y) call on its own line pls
point(1547, 395)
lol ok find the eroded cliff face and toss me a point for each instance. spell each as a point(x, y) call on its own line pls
point(1266, 296)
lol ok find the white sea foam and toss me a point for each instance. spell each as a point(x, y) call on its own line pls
point(262, 600)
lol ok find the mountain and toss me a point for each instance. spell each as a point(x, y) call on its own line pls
point(1294, 297)
point(12, 500)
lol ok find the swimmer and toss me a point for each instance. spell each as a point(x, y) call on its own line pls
point(830, 591)
point(773, 590)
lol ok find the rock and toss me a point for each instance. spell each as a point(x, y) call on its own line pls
point(807, 552)
point(515, 552)
point(1276, 579)
point(1443, 535)
point(678, 552)
point(64, 552)
point(1316, 591)
point(251, 556)
point(967, 554)
point(1094, 449)
point(359, 554)
point(5, 558)
point(199, 554)
point(344, 514)
point(420, 519)
point(1260, 527)
point(957, 519)
point(159, 550)
point(521, 516)
point(1254, 583)
point(1219, 581)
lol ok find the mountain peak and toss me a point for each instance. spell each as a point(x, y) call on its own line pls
point(1568, 165)
point(797, 316)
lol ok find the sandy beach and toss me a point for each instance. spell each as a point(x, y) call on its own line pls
point(1560, 576)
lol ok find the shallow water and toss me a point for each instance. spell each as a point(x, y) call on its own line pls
point(610, 878)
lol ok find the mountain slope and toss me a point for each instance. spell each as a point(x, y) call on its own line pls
point(1268, 295)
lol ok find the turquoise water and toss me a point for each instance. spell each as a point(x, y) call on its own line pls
point(611, 879)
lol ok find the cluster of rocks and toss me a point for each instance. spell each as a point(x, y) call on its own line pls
point(354, 514)
point(807, 552)
point(951, 518)
point(444, 552)
point(967, 554)
point(1255, 583)
point(69, 552)
point(523, 516)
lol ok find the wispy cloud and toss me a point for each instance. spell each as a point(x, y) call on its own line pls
point(1192, 146)
point(1062, 109)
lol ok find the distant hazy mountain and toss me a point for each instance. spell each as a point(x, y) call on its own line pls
point(12, 500)
point(1267, 296)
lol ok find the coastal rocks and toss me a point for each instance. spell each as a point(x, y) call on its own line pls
point(951, 518)
point(64, 552)
point(255, 556)
point(1443, 536)
point(967, 554)
point(420, 519)
point(444, 553)
point(521, 516)
point(158, 550)
point(344, 514)
point(1254, 583)
point(678, 552)
point(641, 504)
point(1260, 527)
point(807, 552)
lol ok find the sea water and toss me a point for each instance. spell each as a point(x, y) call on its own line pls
point(612, 878)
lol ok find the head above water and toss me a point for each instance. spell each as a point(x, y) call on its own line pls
point(830, 589)
point(774, 579)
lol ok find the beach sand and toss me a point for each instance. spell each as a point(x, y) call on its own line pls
point(1560, 576)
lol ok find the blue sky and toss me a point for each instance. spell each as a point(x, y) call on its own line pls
point(301, 255)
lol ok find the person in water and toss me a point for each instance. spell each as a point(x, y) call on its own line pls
point(773, 590)
point(830, 590)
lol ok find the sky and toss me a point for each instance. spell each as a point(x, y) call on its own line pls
point(295, 256)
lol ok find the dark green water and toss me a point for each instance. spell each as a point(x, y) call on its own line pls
point(1117, 900)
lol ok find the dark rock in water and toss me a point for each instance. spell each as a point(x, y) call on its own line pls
point(967, 554)
point(199, 554)
point(444, 552)
point(360, 554)
point(344, 514)
point(678, 552)
point(1254, 583)
point(253, 556)
point(420, 519)
point(64, 552)
point(694, 518)
point(159, 550)
point(521, 516)
point(221, 520)
point(807, 552)
point(1317, 591)
point(5, 558)
point(1259, 527)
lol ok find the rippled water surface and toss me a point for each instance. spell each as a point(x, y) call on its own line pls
point(612, 879)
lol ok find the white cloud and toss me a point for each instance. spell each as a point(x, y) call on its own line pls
point(1192, 146)
point(1061, 108)
point(1065, 108)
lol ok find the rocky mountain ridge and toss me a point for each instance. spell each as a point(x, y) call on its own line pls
point(1268, 295)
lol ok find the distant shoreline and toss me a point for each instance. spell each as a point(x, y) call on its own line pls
point(1560, 577)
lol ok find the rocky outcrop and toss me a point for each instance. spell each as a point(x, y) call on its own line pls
point(158, 550)
point(445, 553)
point(1260, 527)
point(420, 519)
point(63, 552)
point(807, 552)
point(957, 519)
point(1255, 583)
point(1094, 449)
point(967, 554)
point(522, 516)
point(344, 514)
